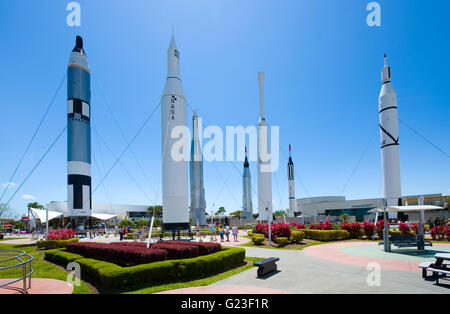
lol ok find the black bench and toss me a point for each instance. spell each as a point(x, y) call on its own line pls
point(267, 266)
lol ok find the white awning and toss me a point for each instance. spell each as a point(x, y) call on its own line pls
point(103, 216)
point(42, 215)
point(412, 208)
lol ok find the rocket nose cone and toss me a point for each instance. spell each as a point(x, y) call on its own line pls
point(79, 45)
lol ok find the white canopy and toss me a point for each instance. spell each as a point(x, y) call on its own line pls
point(42, 215)
point(412, 208)
point(103, 216)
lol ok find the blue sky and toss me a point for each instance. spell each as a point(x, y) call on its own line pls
point(322, 65)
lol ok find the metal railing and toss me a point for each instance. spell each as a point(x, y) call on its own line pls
point(22, 260)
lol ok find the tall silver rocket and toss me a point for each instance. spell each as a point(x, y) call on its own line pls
point(79, 202)
point(175, 195)
point(290, 169)
point(390, 149)
point(198, 202)
point(264, 161)
point(247, 204)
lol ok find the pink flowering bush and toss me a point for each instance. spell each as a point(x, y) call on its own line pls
point(369, 228)
point(61, 234)
point(278, 230)
point(354, 229)
point(322, 226)
point(297, 225)
point(415, 227)
point(404, 228)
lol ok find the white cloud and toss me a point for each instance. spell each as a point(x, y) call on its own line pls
point(28, 197)
point(8, 184)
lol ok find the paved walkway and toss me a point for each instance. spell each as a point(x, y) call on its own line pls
point(38, 286)
point(222, 289)
point(299, 272)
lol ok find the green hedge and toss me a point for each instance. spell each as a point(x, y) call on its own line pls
point(54, 244)
point(113, 277)
point(297, 236)
point(326, 235)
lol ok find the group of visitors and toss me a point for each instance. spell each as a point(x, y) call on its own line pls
point(226, 232)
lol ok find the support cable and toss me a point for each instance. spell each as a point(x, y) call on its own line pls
point(36, 165)
point(34, 134)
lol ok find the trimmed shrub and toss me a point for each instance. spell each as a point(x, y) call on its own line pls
point(326, 235)
point(369, 228)
point(354, 229)
point(281, 241)
point(258, 238)
point(380, 228)
point(114, 277)
point(322, 226)
point(54, 244)
point(399, 233)
point(297, 236)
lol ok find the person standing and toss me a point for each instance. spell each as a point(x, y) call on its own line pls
point(121, 234)
point(235, 231)
point(221, 234)
point(227, 233)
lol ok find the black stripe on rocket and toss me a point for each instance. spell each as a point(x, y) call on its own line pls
point(78, 181)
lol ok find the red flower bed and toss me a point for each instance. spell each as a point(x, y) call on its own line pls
point(118, 254)
point(354, 229)
point(177, 251)
point(369, 228)
point(204, 248)
point(322, 226)
point(61, 234)
point(297, 225)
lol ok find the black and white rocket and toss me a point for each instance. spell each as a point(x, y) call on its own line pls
point(390, 149)
point(290, 168)
point(264, 161)
point(198, 202)
point(175, 190)
point(247, 204)
point(79, 201)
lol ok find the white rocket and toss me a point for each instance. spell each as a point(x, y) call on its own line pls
point(264, 161)
point(290, 167)
point(198, 202)
point(175, 195)
point(390, 149)
point(247, 204)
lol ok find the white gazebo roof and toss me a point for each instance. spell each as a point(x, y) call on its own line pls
point(42, 215)
point(411, 208)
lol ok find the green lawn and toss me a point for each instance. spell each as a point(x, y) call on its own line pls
point(199, 282)
point(42, 268)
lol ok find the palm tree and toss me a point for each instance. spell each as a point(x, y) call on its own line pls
point(344, 217)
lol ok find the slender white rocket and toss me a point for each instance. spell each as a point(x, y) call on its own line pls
point(390, 149)
point(291, 185)
point(247, 204)
point(175, 196)
point(264, 161)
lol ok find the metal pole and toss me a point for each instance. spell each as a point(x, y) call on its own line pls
point(270, 229)
point(46, 222)
point(421, 243)
point(150, 232)
point(387, 244)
